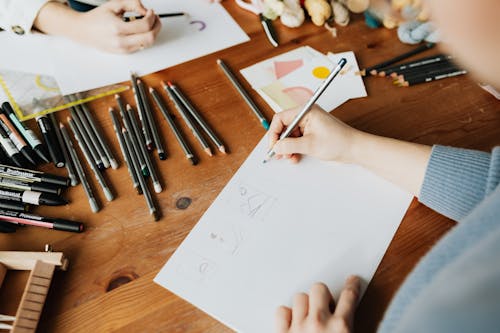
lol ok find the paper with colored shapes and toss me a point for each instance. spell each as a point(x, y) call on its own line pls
point(277, 228)
point(291, 86)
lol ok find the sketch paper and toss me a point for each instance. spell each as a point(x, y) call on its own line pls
point(277, 228)
point(290, 79)
point(207, 29)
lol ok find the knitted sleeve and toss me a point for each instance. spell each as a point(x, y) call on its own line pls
point(457, 179)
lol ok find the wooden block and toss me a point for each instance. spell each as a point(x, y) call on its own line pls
point(26, 260)
point(26, 323)
point(42, 269)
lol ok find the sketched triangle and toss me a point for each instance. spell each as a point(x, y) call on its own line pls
point(282, 68)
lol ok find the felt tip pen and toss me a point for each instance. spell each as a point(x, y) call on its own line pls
point(49, 135)
point(23, 186)
point(28, 134)
point(32, 197)
point(11, 149)
point(40, 221)
point(27, 175)
point(16, 138)
point(14, 205)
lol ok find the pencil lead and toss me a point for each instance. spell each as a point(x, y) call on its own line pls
point(373, 72)
point(208, 151)
point(222, 149)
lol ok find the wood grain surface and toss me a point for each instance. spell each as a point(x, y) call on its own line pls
point(109, 285)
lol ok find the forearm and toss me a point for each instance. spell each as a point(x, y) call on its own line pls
point(55, 18)
point(402, 163)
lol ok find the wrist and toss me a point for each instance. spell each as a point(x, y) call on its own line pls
point(58, 19)
point(356, 147)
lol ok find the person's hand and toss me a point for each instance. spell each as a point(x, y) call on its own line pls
point(319, 134)
point(104, 28)
point(318, 313)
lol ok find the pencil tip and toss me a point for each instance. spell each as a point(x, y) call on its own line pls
point(208, 151)
point(117, 96)
point(156, 215)
point(373, 72)
point(193, 160)
point(265, 124)
point(163, 84)
point(151, 90)
point(219, 61)
point(157, 187)
point(170, 84)
point(61, 125)
point(222, 149)
point(110, 109)
point(129, 107)
point(162, 156)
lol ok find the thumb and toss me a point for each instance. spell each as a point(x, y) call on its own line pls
point(288, 146)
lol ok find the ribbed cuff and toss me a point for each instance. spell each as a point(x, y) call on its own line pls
point(455, 180)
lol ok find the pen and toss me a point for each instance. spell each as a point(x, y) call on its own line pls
point(28, 134)
point(308, 105)
point(40, 221)
point(26, 186)
point(269, 30)
point(138, 17)
point(51, 142)
point(32, 197)
point(30, 176)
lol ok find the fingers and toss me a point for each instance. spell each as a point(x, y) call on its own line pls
point(138, 26)
point(121, 6)
point(290, 145)
point(283, 319)
point(348, 300)
point(135, 42)
point(319, 301)
point(300, 307)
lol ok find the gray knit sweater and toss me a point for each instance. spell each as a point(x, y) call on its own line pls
point(456, 286)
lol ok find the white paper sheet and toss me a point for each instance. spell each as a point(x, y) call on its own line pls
point(346, 86)
point(79, 68)
point(275, 229)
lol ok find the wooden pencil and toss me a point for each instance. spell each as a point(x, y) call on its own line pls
point(433, 77)
point(387, 71)
point(373, 70)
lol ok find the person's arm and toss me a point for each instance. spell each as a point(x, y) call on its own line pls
point(18, 17)
point(452, 181)
point(102, 27)
point(323, 136)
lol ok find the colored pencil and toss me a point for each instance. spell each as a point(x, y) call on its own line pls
point(94, 206)
point(86, 140)
point(229, 74)
point(425, 70)
point(394, 70)
point(178, 135)
point(153, 211)
point(135, 142)
point(69, 164)
point(373, 70)
point(86, 153)
point(197, 117)
point(151, 169)
point(98, 134)
point(146, 131)
point(125, 153)
point(433, 77)
point(184, 114)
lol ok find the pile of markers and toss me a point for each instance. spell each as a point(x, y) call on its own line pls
point(21, 188)
point(431, 68)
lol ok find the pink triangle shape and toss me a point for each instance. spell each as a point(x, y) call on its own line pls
point(282, 68)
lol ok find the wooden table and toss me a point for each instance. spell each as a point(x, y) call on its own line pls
point(109, 284)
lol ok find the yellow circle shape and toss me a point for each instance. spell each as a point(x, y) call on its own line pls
point(321, 72)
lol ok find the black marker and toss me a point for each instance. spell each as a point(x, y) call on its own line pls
point(11, 149)
point(23, 186)
point(31, 176)
point(28, 134)
point(49, 135)
point(32, 197)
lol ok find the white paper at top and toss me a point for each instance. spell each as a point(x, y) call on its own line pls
point(79, 68)
point(277, 228)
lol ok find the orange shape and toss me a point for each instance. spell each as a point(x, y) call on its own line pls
point(321, 72)
point(282, 68)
